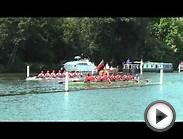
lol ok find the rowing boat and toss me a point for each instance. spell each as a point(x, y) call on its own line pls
point(102, 85)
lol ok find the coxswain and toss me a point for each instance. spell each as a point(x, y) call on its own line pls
point(41, 75)
point(105, 77)
point(59, 74)
point(47, 75)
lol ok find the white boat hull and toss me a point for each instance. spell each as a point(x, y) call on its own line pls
point(52, 79)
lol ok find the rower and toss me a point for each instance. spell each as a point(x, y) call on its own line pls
point(41, 75)
point(53, 74)
point(99, 78)
point(92, 78)
point(112, 78)
point(47, 75)
point(75, 74)
point(64, 74)
point(59, 74)
point(87, 78)
point(125, 77)
point(71, 75)
point(118, 77)
point(130, 77)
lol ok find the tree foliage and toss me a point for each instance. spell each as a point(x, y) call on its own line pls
point(49, 42)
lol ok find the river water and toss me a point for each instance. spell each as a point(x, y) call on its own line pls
point(120, 104)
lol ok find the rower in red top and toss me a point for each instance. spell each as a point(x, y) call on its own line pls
point(59, 74)
point(47, 75)
point(87, 78)
point(125, 78)
point(41, 75)
point(118, 77)
point(130, 77)
point(92, 78)
point(112, 78)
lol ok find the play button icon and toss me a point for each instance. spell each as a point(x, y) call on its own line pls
point(159, 116)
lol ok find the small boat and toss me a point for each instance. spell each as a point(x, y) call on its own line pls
point(80, 65)
point(35, 78)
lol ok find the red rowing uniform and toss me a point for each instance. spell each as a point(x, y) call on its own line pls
point(104, 78)
point(92, 78)
point(130, 77)
point(125, 77)
point(112, 78)
point(86, 78)
point(118, 77)
point(99, 78)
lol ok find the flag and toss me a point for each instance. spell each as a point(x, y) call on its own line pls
point(100, 65)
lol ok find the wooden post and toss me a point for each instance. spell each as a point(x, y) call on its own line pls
point(141, 63)
point(28, 71)
point(66, 82)
point(161, 76)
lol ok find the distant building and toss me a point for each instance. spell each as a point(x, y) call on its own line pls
point(156, 66)
point(148, 67)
